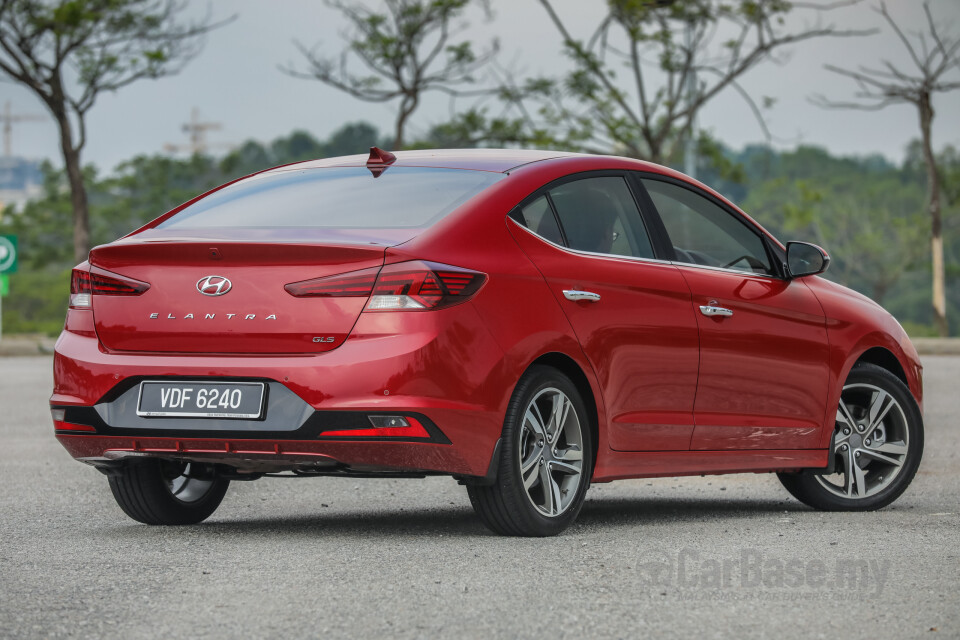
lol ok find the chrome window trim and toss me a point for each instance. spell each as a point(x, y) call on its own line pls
point(639, 259)
point(726, 270)
point(587, 253)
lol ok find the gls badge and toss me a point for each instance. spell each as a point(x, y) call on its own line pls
point(328, 339)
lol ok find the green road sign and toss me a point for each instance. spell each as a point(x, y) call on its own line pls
point(8, 254)
point(4, 285)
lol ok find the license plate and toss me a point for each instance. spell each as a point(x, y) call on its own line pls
point(201, 399)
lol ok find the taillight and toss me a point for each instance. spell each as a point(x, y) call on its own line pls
point(97, 282)
point(344, 285)
point(422, 286)
point(405, 286)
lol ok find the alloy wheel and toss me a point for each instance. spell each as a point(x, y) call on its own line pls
point(871, 442)
point(551, 452)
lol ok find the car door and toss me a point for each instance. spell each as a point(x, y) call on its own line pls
point(763, 345)
point(630, 310)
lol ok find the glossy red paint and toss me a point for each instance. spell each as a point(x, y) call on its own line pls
point(640, 339)
point(763, 371)
point(671, 392)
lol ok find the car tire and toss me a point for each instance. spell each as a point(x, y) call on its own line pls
point(164, 492)
point(878, 440)
point(543, 472)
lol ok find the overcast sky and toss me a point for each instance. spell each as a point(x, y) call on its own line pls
point(235, 81)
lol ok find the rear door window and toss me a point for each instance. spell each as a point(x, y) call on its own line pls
point(599, 215)
point(596, 214)
point(538, 217)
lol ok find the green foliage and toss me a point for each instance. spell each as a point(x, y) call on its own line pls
point(630, 87)
point(405, 48)
point(141, 189)
point(109, 43)
point(37, 301)
point(67, 52)
point(45, 227)
point(870, 220)
point(867, 212)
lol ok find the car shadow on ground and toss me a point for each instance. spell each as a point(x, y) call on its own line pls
point(602, 513)
point(606, 512)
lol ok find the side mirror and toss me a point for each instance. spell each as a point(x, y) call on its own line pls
point(805, 259)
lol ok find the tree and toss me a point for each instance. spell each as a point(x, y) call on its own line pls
point(936, 70)
point(869, 226)
point(68, 52)
point(407, 51)
point(663, 45)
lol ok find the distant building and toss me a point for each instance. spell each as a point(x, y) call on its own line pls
point(20, 180)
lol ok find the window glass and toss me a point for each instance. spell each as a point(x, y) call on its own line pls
point(342, 197)
point(539, 218)
point(703, 233)
point(599, 215)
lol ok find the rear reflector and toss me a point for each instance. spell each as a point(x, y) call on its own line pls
point(411, 429)
point(67, 426)
point(97, 282)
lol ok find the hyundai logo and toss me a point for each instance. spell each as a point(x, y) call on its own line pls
point(214, 285)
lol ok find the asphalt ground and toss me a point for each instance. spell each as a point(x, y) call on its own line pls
point(721, 556)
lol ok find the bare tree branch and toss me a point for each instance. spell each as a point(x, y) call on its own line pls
point(879, 89)
point(661, 114)
point(70, 51)
point(408, 49)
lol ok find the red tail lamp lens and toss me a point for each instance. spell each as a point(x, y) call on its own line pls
point(405, 286)
point(97, 282)
point(423, 286)
point(344, 285)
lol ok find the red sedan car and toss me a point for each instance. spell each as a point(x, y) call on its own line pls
point(527, 322)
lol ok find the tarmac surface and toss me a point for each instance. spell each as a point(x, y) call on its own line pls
point(721, 556)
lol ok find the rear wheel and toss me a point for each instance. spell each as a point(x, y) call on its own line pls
point(166, 492)
point(545, 459)
point(877, 446)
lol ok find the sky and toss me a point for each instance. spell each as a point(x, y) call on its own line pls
point(236, 82)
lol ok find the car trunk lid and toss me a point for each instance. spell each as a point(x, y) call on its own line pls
point(227, 296)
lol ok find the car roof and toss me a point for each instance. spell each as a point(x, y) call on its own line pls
point(498, 160)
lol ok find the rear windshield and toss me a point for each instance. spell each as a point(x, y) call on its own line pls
point(343, 197)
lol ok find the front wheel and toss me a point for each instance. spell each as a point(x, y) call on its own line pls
point(877, 446)
point(167, 492)
point(545, 459)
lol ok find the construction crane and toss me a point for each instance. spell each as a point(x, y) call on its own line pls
point(197, 132)
point(9, 118)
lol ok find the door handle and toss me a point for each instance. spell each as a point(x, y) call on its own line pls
point(577, 296)
point(712, 311)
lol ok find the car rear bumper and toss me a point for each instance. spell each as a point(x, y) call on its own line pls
point(441, 368)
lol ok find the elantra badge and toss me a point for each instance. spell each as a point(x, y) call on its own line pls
point(214, 285)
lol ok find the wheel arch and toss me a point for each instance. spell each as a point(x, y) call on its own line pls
point(880, 350)
point(885, 359)
point(570, 368)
